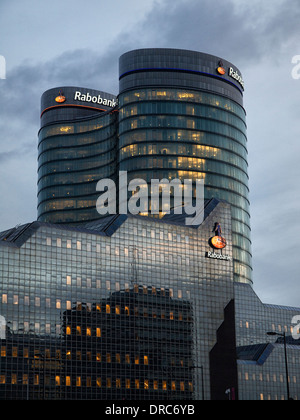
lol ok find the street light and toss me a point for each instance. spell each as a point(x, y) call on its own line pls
point(272, 333)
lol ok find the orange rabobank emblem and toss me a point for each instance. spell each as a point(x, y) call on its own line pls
point(221, 69)
point(60, 98)
point(218, 242)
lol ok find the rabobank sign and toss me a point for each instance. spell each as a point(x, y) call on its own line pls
point(97, 99)
point(235, 75)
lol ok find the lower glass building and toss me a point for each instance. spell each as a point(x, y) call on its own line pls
point(115, 309)
point(136, 308)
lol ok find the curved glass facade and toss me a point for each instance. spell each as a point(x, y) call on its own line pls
point(77, 148)
point(178, 118)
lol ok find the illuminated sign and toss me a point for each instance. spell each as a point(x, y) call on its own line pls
point(235, 75)
point(218, 242)
point(60, 98)
point(221, 69)
point(215, 256)
point(86, 97)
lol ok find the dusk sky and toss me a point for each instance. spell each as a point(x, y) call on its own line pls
point(74, 43)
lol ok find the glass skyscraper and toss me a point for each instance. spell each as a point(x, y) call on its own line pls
point(181, 116)
point(77, 146)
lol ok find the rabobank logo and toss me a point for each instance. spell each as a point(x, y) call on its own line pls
point(97, 99)
point(60, 98)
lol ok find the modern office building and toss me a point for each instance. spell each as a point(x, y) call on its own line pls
point(122, 308)
point(77, 147)
point(179, 115)
point(130, 307)
point(136, 308)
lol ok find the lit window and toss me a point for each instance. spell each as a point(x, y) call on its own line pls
point(16, 300)
point(108, 309)
point(4, 298)
point(146, 360)
point(69, 243)
point(137, 360)
point(69, 280)
point(78, 330)
point(57, 380)
point(89, 331)
point(48, 241)
point(146, 384)
point(98, 357)
point(68, 380)
point(164, 385)
point(118, 309)
point(99, 382)
point(98, 332)
point(78, 381)
point(78, 244)
point(137, 384)
point(127, 382)
point(118, 383)
point(58, 304)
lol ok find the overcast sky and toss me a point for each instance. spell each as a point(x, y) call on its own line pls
point(71, 42)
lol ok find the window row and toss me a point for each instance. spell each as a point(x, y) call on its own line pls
point(78, 355)
point(83, 127)
point(182, 96)
point(118, 383)
point(179, 109)
point(268, 377)
point(146, 312)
